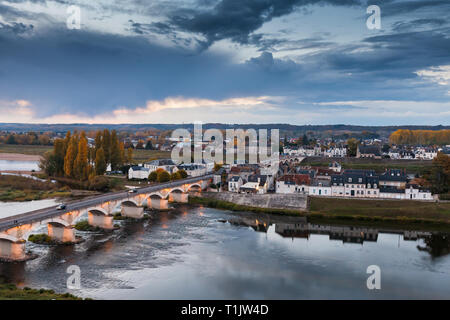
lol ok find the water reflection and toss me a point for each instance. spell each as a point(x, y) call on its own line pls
point(435, 243)
point(199, 253)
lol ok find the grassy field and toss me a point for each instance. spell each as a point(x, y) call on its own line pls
point(32, 150)
point(411, 166)
point(14, 188)
point(141, 155)
point(407, 211)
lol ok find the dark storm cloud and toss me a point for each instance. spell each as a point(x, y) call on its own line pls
point(402, 26)
point(237, 19)
point(276, 44)
point(16, 28)
point(390, 8)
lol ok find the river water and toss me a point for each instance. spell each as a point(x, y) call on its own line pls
point(201, 253)
point(8, 165)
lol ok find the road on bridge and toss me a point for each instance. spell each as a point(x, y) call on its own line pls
point(46, 213)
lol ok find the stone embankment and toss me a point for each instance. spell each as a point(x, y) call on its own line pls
point(269, 200)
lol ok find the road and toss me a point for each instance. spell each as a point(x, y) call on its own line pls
point(46, 213)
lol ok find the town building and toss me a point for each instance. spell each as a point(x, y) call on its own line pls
point(165, 164)
point(138, 172)
point(369, 151)
point(293, 183)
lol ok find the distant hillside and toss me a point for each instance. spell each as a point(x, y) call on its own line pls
point(336, 129)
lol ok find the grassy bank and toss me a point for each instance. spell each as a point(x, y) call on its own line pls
point(25, 149)
point(220, 204)
point(15, 188)
point(408, 211)
point(11, 292)
point(374, 213)
point(142, 155)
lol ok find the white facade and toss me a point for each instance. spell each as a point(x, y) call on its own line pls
point(336, 153)
point(140, 173)
point(234, 184)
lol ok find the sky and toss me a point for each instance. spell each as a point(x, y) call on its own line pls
point(228, 61)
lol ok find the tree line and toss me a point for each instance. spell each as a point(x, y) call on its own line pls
point(420, 137)
point(30, 138)
point(72, 157)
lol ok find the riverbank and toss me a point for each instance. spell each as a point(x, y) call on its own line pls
point(19, 157)
point(413, 215)
point(16, 188)
point(12, 292)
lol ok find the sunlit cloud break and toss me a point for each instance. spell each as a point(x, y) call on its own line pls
point(22, 110)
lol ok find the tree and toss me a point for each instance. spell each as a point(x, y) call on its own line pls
point(183, 173)
point(217, 167)
point(116, 158)
point(11, 139)
point(175, 176)
point(69, 160)
point(81, 162)
point(58, 153)
point(106, 144)
point(352, 146)
point(98, 141)
point(149, 145)
point(440, 173)
point(153, 176)
point(163, 176)
point(48, 164)
point(130, 156)
point(100, 162)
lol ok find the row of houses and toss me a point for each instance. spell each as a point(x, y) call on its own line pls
point(392, 184)
point(372, 151)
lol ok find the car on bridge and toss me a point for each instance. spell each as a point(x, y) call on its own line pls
point(62, 206)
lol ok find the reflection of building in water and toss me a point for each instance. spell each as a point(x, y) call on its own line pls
point(415, 235)
point(255, 224)
point(346, 234)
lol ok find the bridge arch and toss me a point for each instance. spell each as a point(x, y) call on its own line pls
point(59, 222)
point(97, 211)
point(197, 185)
point(10, 238)
point(129, 202)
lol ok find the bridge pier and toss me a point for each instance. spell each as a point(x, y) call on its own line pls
point(158, 203)
point(61, 233)
point(132, 211)
point(178, 197)
point(100, 220)
point(12, 250)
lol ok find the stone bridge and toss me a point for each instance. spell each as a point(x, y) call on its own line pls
point(14, 230)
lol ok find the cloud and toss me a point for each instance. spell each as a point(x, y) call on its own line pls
point(237, 19)
point(169, 110)
point(439, 75)
point(15, 111)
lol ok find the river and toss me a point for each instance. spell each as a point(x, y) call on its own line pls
point(14, 165)
point(202, 253)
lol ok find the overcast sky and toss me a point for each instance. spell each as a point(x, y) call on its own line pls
point(229, 61)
